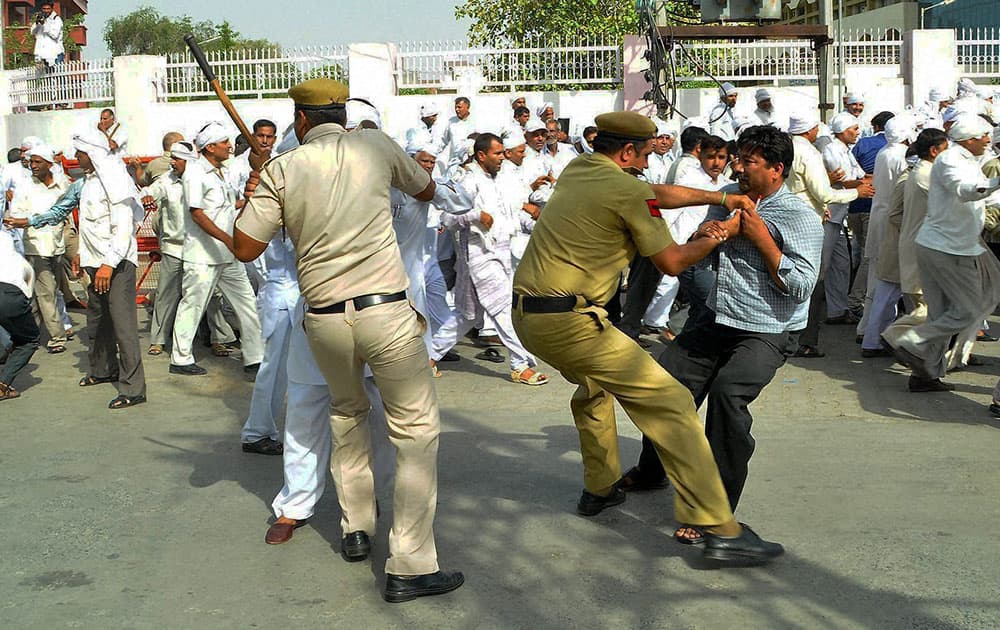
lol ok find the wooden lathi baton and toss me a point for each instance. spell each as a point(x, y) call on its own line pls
point(199, 56)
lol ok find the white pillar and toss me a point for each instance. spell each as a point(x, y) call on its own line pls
point(928, 60)
point(138, 87)
point(372, 70)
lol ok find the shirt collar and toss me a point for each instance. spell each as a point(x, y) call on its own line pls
point(963, 152)
point(319, 131)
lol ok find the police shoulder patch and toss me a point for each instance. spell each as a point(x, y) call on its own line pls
point(654, 208)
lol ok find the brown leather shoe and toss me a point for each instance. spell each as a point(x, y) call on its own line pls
point(282, 530)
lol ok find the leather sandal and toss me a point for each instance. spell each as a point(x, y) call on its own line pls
point(8, 393)
point(155, 350)
point(220, 350)
point(89, 381)
point(59, 349)
point(123, 401)
point(528, 376)
point(698, 539)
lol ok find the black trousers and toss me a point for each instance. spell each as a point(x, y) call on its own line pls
point(729, 368)
point(17, 320)
point(643, 278)
point(112, 325)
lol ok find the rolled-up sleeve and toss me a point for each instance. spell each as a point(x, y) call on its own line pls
point(799, 265)
point(61, 208)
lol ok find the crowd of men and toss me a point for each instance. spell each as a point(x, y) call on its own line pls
point(353, 263)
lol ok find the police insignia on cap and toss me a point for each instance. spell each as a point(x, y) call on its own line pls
point(321, 93)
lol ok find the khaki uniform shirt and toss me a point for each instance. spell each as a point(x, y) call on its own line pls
point(332, 195)
point(596, 220)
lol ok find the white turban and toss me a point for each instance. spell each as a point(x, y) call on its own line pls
point(854, 98)
point(514, 97)
point(31, 141)
point(359, 111)
point(116, 181)
point(842, 122)
point(950, 113)
point(663, 129)
point(210, 134)
point(763, 94)
point(726, 89)
point(967, 127)
point(544, 106)
point(695, 121)
point(901, 128)
point(429, 109)
point(514, 140)
point(966, 86)
point(802, 122)
point(937, 95)
point(533, 124)
point(743, 123)
point(420, 143)
point(43, 151)
point(183, 151)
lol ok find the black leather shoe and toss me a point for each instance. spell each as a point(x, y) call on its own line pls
point(250, 371)
point(918, 384)
point(592, 504)
point(747, 549)
point(188, 370)
point(402, 589)
point(873, 354)
point(264, 446)
point(995, 409)
point(355, 546)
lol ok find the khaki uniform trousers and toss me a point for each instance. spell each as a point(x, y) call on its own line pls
point(389, 339)
point(590, 352)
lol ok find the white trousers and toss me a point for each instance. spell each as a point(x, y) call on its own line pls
point(168, 295)
point(455, 328)
point(438, 310)
point(883, 312)
point(200, 281)
point(268, 400)
point(658, 313)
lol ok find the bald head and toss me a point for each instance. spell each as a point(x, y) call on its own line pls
point(172, 138)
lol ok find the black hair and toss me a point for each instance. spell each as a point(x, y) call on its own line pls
point(484, 142)
point(713, 142)
point(774, 145)
point(928, 139)
point(316, 117)
point(264, 122)
point(463, 99)
point(691, 138)
point(609, 145)
point(521, 111)
point(14, 155)
point(588, 130)
point(731, 148)
point(880, 119)
point(108, 110)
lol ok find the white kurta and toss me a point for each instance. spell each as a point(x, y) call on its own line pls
point(809, 180)
point(889, 165)
point(49, 38)
point(722, 122)
point(836, 155)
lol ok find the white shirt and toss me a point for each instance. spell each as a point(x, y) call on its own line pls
point(107, 231)
point(48, 38)
point(889, 165)
point(279, 292)
point(456, 137)
point(680, 166)
point(239, 172)
point(118, 134)
point(724, 124)
point(172, 212)
point(14, 269)
point(657, 168)
point(809, 180)
point(37, 198)
point(208, 188)
point(684, 222)
point(487, 198)
point(564, 154)
point(836, 155)
point(956, 204)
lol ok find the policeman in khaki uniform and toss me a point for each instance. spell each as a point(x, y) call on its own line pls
point(598, 217)
point(331, 194)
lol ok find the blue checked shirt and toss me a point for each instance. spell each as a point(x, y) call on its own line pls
point(744, 295)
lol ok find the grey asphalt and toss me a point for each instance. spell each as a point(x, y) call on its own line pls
point(886, 501)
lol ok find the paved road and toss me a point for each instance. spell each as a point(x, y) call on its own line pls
point(153, 518)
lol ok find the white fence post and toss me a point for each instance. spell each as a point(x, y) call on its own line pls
point(137, 83)
point(372, 70)
point(928, 60)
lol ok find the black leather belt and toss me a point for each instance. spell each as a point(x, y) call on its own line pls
point(530, 304)
point(360, 303)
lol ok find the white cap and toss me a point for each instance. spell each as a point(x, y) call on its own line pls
point(967, 127)
point(544, 106)
point(43, 151)
point(842, 122)
point(514, 97)
point(31, 141)
point(533, 124)
point(802, 122)
point(901, 128)
point(695, 121)
point(763, 94)
point(429, 109)
point(359, 110)
point(938, 94)
point(663, 129)
point(514, 140)
point(853, 98)
point(727, 89)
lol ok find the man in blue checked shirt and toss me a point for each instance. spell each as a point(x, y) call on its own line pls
point(757, 306)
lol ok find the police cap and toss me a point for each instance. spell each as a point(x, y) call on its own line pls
point(321, 93)
point(628, 126)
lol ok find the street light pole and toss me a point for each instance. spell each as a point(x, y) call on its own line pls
point(924, 10)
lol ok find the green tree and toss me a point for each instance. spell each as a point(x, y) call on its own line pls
point(146, 31)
